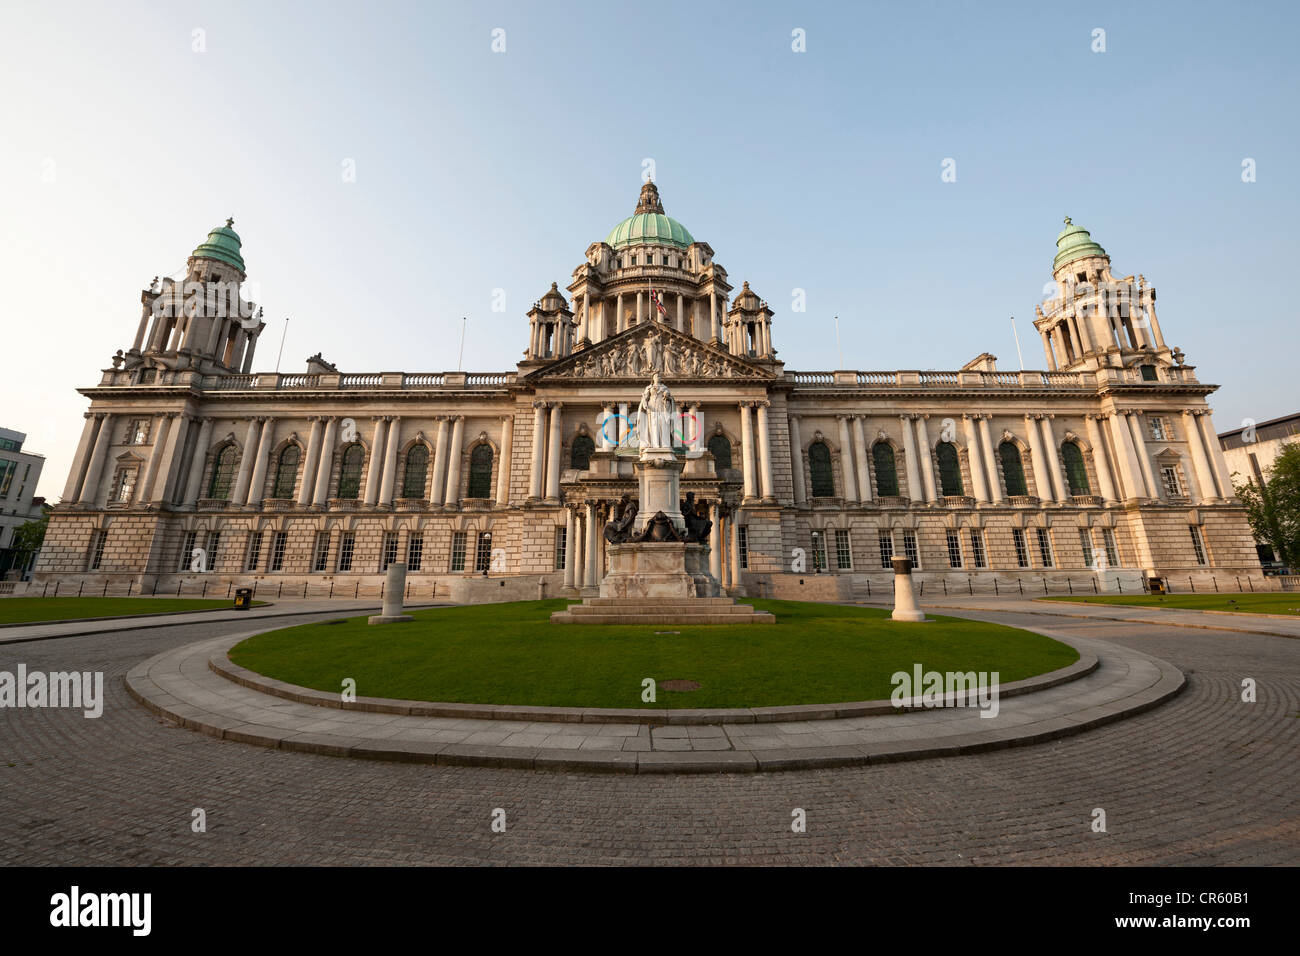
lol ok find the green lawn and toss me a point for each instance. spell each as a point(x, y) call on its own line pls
point(513, 654)
point(23, 610)
point(1272, 603)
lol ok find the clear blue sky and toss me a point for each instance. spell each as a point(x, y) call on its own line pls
point(478, 170)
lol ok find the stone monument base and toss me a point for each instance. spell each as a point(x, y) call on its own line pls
point(668, 570)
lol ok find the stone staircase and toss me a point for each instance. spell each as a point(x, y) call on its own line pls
point(719, 610)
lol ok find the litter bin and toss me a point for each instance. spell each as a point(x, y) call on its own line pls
point(243, 598)
point(1156, 585)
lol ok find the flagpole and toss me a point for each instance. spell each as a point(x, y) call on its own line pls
point(460, 359)
point(1017, 335)
point(282, 336)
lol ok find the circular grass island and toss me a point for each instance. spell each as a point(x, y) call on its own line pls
point(511, 654)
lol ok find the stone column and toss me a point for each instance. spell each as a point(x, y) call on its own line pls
point(765, 453)
point(603, 443)
point(1047, 350)
point(713, 317)
point(570, 543)
point(199, 461)
point(579, 560)
point(1200, 461)
point(1042, 476)
point(847, 479)
point(990, 459)
point(747, 451)
point(1054, 460)
point(81, 459)
point(618, 317)
point(553, 452)
point(455, 452)
point(697, 441)
point(593, 550)
point(715, 543)
point(326, 462)
point(796, 462)
point(640, 305)
point(926, 458)
point(1154, 489)
point(681, 313)
point(90, 489)
point(375, 471)
point(1104, 480)
point(392, 442)
point(1155, 324)
point(584, 330)
point(507, 451)
point(905, 608)
point(733, 532)
point(159, 436)
point(974, 459)
point(1128, 463)
point(258, 484)
point(246, 458)
point(622, 423)
point(252, 347)
point(1226, 491)
point(140, 329)
point(915, 489)
point(539, 450)
point(860, 458)
point(310, 462)
point(169, 467)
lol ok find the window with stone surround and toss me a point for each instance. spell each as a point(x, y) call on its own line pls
point(819, 469)
point(819, 551)
point(910, 550)
point(458, 551)
point(1198, 544)
point(415, 551)
point(350, 472)
point(742, 545)
point(561, 546)
point(137, 431)
point(945, 454)
point(978, 556)
point(886, 541)
point(1085, 545)
point(187, 550)
point(1022, 549)
point(483, 552)
point(347, 547)
point(1159, 428)
point(286, 471)
point(388, 554)
point(415, 472)
point(278, 543)
point(1169, 478)
point(322, 561)
point(97, 542)
point(720, 449)
point(580, 452)
point(1076, 472)
point(1013, 469)
point(882, 454)
point(480, 472)
point(1112, 547)
point(213, 546)
point(954, 549)
point(223, 472)
point(1045, 547)
point(124, 484)
point(254, 551)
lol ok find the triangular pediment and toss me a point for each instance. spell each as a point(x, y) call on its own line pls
point(651, 347)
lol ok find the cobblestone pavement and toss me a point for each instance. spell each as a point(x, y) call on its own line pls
point(1201, 779)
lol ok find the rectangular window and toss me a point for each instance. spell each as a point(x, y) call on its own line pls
point(1158, 429)
point(1045, 547)
point(254, 551)
point(819, 551)
point(1022, 550)
point(458, 551)
point(886, 541)
point(7, 469)
point(97, 549)
point(910, 550)
point(277, 550)
point(347, 547)
point(843, 550)
point(954, 549)
point(415, 551)
point(1198, 544)
point(483, 551)
point(1169, 478)
point(742, 545)
point(1085, 544)
point(977, 548)
point(1112, 547)
point(124, 485)
point(561, 547)
point(322, 561)
point(214, 545)
point(389, 554)
point(187, 550)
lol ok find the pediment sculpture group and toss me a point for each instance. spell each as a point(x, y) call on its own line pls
point(695, 515)
point(653, 353)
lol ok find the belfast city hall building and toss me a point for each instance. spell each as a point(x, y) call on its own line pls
point(1101, 470)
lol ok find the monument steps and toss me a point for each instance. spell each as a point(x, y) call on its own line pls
point(640, 611)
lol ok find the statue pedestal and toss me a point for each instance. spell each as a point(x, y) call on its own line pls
point(659, 473)
point(658, 570)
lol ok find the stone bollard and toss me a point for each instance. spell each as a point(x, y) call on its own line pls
point(394, 585)
point(905, 608)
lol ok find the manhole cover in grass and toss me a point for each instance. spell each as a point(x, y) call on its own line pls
point(667, 632)
point(680, 685)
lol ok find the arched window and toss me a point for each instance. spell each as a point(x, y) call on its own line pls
point(223, 472)
point(350, 472)
point(286, 472)
point(720, 449)
point(886, 471)
point(580, 452)
point(417, 467)
point(1013, 470)
point(819, 465)
point(949, 468)
point(480, 472)
point(1076, 473)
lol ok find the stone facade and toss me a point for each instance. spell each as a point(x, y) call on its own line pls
point(192, 465)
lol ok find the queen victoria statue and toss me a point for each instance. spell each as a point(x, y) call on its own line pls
point(656, 415)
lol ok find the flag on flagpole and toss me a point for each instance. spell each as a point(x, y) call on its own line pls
point(654, 297)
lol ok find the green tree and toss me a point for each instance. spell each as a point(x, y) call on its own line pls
point(1274, 510)
point(29, 536)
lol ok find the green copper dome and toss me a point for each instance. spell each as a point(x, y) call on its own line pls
point(649, 224)
point(223, 245)
point(1074, 242)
